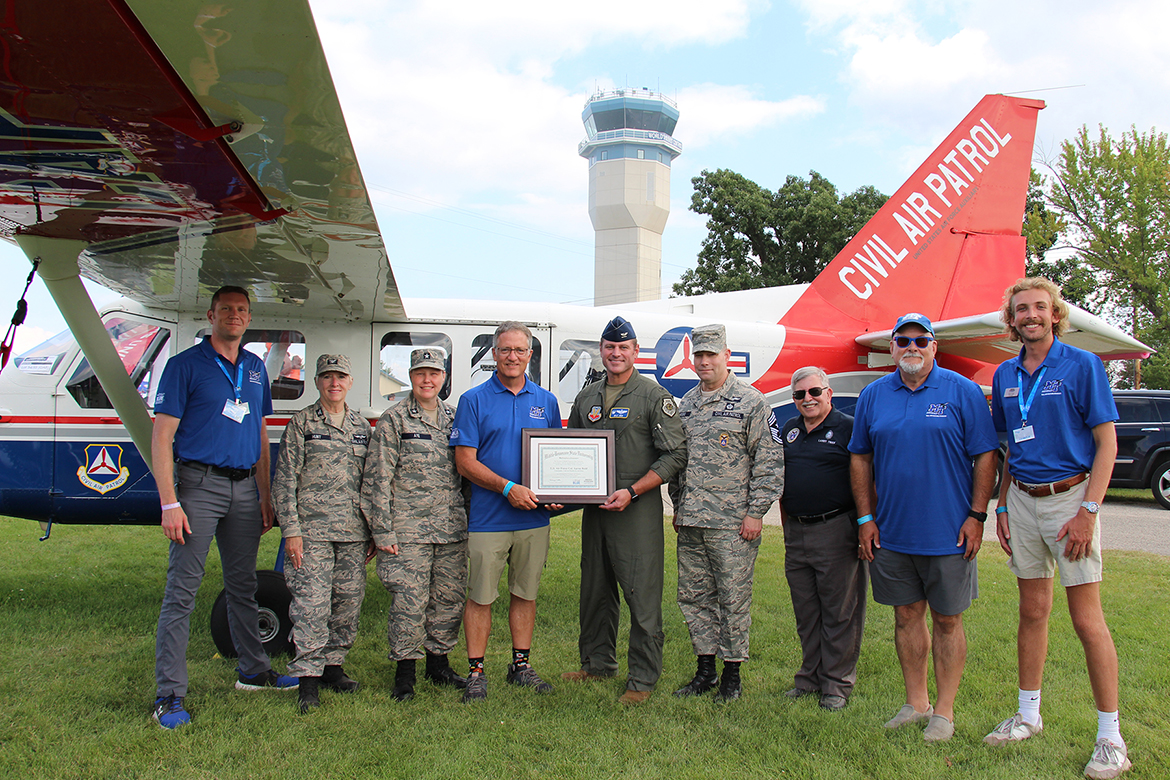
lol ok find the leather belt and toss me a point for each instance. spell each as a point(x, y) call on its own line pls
point(235, 475)
point(814, 519)
point(1050, 488)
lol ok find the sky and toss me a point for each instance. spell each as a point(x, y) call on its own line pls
point(466, 115)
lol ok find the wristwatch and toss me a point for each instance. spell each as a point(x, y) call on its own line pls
point(633, 496)
point(1092, 507)
point(980, 516)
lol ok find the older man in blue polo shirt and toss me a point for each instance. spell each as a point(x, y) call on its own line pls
point(506, 525)
point(1054, 402)
point(210, 461)
point(923, 461)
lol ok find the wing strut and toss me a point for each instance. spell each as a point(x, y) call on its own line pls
point(58, 267)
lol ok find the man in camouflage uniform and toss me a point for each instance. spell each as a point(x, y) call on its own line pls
point(316, 493)
point(735, 470)
point(413, 497)
point(621, 540)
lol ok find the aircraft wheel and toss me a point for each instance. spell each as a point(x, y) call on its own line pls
point(273, 599)
point(1160, 484)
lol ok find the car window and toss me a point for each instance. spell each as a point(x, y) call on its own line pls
point(1136, 410)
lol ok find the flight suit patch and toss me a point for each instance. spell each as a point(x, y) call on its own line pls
point(594, 414)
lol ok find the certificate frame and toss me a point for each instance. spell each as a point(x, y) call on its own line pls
point(589, 476)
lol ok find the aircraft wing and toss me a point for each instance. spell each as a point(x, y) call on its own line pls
point(190, 145)
point(982, 337)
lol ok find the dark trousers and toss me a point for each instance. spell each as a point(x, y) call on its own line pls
point(622, 549)
point(828, 585)
point(230, 512)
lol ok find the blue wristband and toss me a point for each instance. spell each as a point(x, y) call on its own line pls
point(864, 519)
point(508, 487)
point(999, 510)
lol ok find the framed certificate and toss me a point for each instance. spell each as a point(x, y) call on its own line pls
point(568, 465)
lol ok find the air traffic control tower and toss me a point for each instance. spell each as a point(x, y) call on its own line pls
point(629, 147)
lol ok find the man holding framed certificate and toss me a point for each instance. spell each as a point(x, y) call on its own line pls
point(622, 538)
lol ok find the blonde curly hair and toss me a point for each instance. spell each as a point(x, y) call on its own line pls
point(1060, 310)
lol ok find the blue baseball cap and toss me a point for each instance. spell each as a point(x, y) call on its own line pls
point(914, 318)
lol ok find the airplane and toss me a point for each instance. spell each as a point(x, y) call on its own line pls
point(212, 150)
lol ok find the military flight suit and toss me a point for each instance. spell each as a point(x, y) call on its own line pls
point(735, 468)
point(626, 548)
point(316, 493)
point(414, 497)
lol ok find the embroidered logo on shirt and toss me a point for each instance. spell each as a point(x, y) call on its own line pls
point(594, 414)
point(733, 415)
point(318, 437)
point(361, 438)
point(536, 412)
point(937, 410)
point(1053, 387)
point(828, 434)
point(792, 434)
point(724, 439)
point(729, 406)
point(619, 413)
point(668, 407)
point(254, 377)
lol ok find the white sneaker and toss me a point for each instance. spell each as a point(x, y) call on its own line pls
point(1109, 760)
point(1014, 729)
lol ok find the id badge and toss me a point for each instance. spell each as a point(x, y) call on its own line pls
point(1011, 392)
point(1024, 434)
point(234, 411)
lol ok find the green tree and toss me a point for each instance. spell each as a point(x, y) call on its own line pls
point(1043, 228)
point(758, 238)
point(1114, 196)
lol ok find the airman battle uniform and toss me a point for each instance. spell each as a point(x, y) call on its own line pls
point(626, 548)
point(316, 493)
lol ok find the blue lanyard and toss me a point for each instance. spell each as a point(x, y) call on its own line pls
point(1027, 405)
point(239, 375)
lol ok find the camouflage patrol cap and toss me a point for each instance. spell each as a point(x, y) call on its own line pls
point(428, 357)
point(709, 338)
point(338, 363)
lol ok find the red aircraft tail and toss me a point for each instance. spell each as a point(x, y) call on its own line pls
point(946, 244)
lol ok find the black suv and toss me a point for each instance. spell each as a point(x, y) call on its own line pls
point(1143, 442)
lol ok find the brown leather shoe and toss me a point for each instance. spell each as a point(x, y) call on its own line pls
point(634, 697)
point(581, 676)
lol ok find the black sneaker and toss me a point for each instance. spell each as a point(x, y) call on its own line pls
point(266, 681)
point(476, 689)
point(526, 676)
point(169, 712)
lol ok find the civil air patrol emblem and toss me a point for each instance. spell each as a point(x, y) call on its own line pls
point(536, 412)
point(594, 414)
point(619, 414)
point(724, 439)
point(669, 407)
point(103, 470)
point(792, 434)
point(828, 434)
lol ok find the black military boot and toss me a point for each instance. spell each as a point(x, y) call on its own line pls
point(336, 679)
point(705, 678)
point(404, 681)
point(307, 698)
point(729, 686)
point(439, 672)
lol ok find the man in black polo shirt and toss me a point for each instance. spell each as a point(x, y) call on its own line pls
point(826, 577)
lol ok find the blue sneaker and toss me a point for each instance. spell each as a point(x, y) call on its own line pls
point(266, 681)
point(169, 712)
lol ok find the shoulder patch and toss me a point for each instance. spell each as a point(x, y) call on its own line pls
point(669, 407)
point(594, 414)
point(792, 435)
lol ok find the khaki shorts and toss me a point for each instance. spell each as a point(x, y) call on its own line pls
point(524, 553)
point(1034, 524)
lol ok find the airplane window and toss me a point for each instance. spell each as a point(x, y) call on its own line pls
point(580, 363)
point(141, 346)
point(283, 353)
point(483, 361)
point(45, 357)
point(394, 362)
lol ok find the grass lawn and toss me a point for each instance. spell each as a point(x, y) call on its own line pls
point(77, 660)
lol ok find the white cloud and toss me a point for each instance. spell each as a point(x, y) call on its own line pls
point(713, 112)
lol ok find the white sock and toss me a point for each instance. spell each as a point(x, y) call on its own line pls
point(1030, 706)
point(1109, 727)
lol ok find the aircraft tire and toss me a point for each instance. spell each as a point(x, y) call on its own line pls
point(273, 598)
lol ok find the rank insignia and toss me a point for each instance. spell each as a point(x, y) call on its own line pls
point(595, 414)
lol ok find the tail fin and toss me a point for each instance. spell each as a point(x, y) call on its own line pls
point(948, 242)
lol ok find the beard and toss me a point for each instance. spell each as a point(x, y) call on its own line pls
point(911, 369)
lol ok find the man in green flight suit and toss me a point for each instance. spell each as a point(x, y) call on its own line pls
point(622, 539)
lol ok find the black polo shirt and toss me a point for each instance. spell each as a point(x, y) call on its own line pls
point(816, 466)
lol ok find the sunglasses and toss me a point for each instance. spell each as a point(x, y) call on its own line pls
point(904, 341)
point(815, 392)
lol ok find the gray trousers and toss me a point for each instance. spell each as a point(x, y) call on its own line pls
point(429, 583)
point(715, 571)
point(622, 549)
point(327, 596)
point(828, 585)
point(230, 512)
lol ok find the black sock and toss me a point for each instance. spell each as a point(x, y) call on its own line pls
point(475, 665)
point(520, 657)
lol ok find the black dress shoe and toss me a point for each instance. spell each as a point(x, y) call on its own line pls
point(446, 676)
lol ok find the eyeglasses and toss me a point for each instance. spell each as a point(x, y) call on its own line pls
point(517, 351)
point(815, 392)
point(904, 341)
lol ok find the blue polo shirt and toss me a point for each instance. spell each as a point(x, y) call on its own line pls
point(490, 418)
point(194, 388)
point(1073, 398)
point(923, 442)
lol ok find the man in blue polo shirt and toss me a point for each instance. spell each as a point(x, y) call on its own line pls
point(210, 461)
point(916, 433)
point(1054, 402)
point(506, 525)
